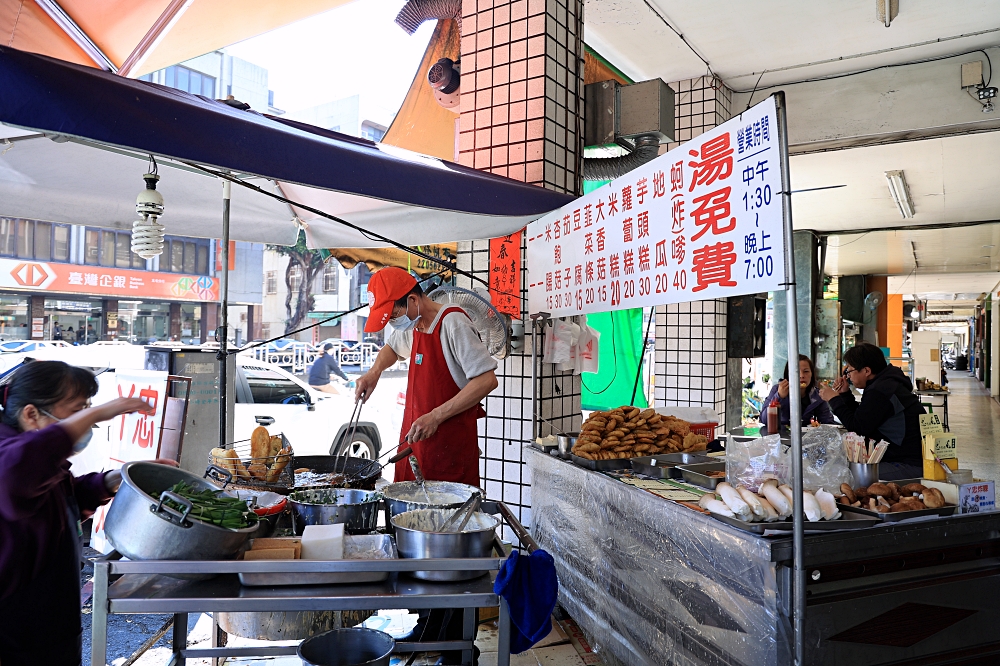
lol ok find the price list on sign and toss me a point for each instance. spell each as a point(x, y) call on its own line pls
point(702, 221)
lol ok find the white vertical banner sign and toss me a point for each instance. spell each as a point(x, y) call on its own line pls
point(134, 436)
point(702, 221)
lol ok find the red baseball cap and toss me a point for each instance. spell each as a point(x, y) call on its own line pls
point(385, 287)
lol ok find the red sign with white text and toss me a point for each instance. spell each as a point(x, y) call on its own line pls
point(702, 221)
point(105, 281)
point(505, 274)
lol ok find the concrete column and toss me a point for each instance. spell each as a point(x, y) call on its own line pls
point(521, 117)
point(690, 363)
point(522, 90)
point(174, 330)
point(109, 319)
point(209, 320)
point(36, 310)
point(806, 274)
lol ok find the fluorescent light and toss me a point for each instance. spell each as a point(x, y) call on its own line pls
point(900, 193)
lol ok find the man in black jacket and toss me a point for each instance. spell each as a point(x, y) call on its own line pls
point(888, 409)
point(325, 365)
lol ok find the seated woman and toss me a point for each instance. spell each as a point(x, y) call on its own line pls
point(813, 407)
point(888, 409)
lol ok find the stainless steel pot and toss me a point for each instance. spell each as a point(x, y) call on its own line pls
point(287, 626)
point(407, 496)
point(142, 527)
point(357, 509)
point(416, 539)
point(566, 442)
point(347, 647)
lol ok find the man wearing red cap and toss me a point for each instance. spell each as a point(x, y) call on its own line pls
point(450, 373)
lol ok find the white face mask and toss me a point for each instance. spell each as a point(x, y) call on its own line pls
point(403, 321)
point(81, 443)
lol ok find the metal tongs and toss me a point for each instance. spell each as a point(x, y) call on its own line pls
point(352, 428)
point(469, 507)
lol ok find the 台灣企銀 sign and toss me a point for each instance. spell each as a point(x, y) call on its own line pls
point(702, 221)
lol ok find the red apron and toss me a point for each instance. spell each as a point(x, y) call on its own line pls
point(452, 453)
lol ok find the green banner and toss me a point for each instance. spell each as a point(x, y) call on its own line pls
point(620, 352)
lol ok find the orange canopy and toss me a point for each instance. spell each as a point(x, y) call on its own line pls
point(135, 37)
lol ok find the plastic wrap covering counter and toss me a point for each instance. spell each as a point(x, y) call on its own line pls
point(652, 582)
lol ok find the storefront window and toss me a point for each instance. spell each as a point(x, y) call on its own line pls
point(107, 249)
point(91, 247)
point(177, 257)
point(25, 239)
point(83, 317)
point(60, 246)
point(190, 256)
point(43, 241)
point(6, 235)
point(190, 323)
point(14, 317)
point(202, 260)
point(122, 251)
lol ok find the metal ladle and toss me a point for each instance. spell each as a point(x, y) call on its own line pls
point(469, 507)
point(418, 475)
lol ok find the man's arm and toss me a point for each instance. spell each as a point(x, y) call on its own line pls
point(331, 363)
point(366, 383)
point(473, 393)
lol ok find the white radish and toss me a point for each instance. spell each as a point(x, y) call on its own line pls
point(769, 489)
point(772, 513)
point(753, 502)
point(713, 505)
point(734, 501)
point(811, 507)
point(827, 504)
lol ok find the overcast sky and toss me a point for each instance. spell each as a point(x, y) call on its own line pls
point(354, 49)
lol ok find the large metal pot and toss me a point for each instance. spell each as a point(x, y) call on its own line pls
point(347, 647)
point(357, 509)
point(142, 527)
point(408, 496)
point(416, 539)
point(287, 626)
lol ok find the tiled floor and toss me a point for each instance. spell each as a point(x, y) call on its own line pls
point(974, 418)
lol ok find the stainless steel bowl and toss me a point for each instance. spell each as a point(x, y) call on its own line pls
point(566, 441)
point(407, 496)
point(141, 527)
point(347, 647)
point(416, 539)
point(356, 509)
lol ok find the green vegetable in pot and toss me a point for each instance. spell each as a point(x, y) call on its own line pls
point(213, 507)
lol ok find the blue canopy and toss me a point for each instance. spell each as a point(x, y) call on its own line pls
point(412, 198)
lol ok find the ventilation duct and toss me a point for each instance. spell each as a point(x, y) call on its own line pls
point(416, 12)
point(608, 168)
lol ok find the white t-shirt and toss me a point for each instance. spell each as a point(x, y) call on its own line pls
point(464, 352)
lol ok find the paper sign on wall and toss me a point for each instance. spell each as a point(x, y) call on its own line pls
point(505, 274)
point(702, 221)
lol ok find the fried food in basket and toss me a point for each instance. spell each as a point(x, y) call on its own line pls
point(627, 432)
point(260, 443)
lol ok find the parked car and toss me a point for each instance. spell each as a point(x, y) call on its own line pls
point(314, 422)
point(15, 346)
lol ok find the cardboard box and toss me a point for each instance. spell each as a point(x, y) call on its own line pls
point(933, 471)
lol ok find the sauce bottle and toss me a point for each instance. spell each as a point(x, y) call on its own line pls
point(773, 419)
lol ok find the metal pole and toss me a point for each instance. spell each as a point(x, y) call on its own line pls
point(224, 317)
point(534, 376)
point(794, 399)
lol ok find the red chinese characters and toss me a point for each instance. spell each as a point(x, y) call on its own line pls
point(505, 273)
point(713, 264)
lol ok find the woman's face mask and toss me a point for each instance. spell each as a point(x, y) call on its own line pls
point(81, 443)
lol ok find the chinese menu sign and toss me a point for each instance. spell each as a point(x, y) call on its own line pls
point(505, 274)
point(136, 436)
point(105, 281)
point(702, 221)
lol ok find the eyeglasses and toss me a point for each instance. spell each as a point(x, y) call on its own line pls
point(848, 371)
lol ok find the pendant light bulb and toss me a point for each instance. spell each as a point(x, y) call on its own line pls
point(147, 232)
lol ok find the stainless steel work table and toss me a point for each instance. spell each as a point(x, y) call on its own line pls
point(146, 587)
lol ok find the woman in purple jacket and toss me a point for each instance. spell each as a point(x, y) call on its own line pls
point(47, 417)
point(813, 406)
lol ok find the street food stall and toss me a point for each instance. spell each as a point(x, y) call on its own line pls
point(784, 551)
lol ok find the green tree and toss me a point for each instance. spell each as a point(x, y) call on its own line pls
point(298, 302)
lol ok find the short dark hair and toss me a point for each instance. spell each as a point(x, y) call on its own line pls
point(44, 384)
point(328, 346)
point(866, 355)
point(812, 370)
point(416, 290)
